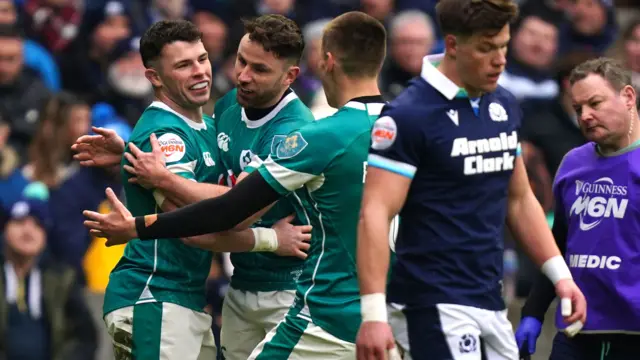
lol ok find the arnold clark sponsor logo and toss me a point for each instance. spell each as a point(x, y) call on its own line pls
point(476, 153)
point(597, 201)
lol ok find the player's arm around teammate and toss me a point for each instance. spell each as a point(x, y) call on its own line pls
point(106, 149)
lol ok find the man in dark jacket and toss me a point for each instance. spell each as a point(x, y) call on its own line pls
point(43, 314)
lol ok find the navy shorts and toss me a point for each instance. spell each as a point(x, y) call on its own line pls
point(595, 347)
point(457, 332)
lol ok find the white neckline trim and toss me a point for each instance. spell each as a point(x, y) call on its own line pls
point(370, 108)
point(435, 78)
point(252, 124)
point(194, 125)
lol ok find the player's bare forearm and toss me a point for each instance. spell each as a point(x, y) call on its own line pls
point(384, 195)
point(373, 248)
point(526, 219)
point(183, 191)
point(228, 241)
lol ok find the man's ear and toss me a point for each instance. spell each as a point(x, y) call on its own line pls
point(630, 96)
point(291, 75)
point(451, 43)
point(152, 75)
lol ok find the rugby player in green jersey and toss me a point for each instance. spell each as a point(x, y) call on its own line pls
point(155, 298)
point(320, 168)
point(250, 121)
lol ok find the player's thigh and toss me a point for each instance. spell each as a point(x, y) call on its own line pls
point(119, 325)
point(442, 332)
point(168, 331)
point(241, 332)
point(273, 307)
point(296, 338)
point(398, 323)
point(497, 333)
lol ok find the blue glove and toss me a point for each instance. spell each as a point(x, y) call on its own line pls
point(527, 334)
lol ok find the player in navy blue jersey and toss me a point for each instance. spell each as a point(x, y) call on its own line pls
point(445, 155)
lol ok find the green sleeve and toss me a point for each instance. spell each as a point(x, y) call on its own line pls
point(297, 159)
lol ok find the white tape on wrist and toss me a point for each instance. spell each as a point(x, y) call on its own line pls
point(556, 269)
point(266, 240)
point(374, 307)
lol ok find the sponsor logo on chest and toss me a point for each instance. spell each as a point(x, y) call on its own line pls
point(479, 155)
point(598, 200)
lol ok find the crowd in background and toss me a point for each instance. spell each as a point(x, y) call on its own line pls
point(66, 65)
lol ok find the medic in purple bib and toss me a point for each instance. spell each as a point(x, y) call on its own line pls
point(597, 222)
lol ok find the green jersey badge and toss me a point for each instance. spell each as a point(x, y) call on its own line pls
point(291, 146)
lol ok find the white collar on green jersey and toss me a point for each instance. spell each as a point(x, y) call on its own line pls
point(252, 124)
point(438, 80)
point(370, 108)
point(196, 126)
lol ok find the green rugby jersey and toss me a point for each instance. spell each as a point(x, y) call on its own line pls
point(324, 165)
point(165, 270)
point(243, 144)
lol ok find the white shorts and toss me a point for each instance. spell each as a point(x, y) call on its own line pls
point(297, 338)
point(457, 332)
point(398, 323)
point(163, 331)
point(247, 317)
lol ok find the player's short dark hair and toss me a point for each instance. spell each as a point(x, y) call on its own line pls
point(277, 34)
point(359, 43)
point(609, 69)
point(163, 33)
point(468, 17)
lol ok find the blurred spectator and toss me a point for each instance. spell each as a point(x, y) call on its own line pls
point(22, 93)
point(307, 84)
point(53, 23)
point(628, 50)
point(84, 67)
point(12, 182)
point(214, 34)
point(128, 89)
point(36, 56)
point(250, 8)
point(379, 9)
point(534, 47)
point(73, 188)
point(411, 38)
point(45, 314)
point(64, 119)
point(591, 26)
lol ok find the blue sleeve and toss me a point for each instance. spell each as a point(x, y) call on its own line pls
point(39, 59)
point(397, 144)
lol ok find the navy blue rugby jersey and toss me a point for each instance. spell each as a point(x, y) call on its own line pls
point(460, 154)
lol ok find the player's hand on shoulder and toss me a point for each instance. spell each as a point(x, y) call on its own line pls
point(293, 240)
point(375, 342)
point(573, 305)
point(527, 335)
point(148, 168)
point(118, 226)
point(104, 149)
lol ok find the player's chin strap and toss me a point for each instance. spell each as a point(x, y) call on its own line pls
point(556, 269)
